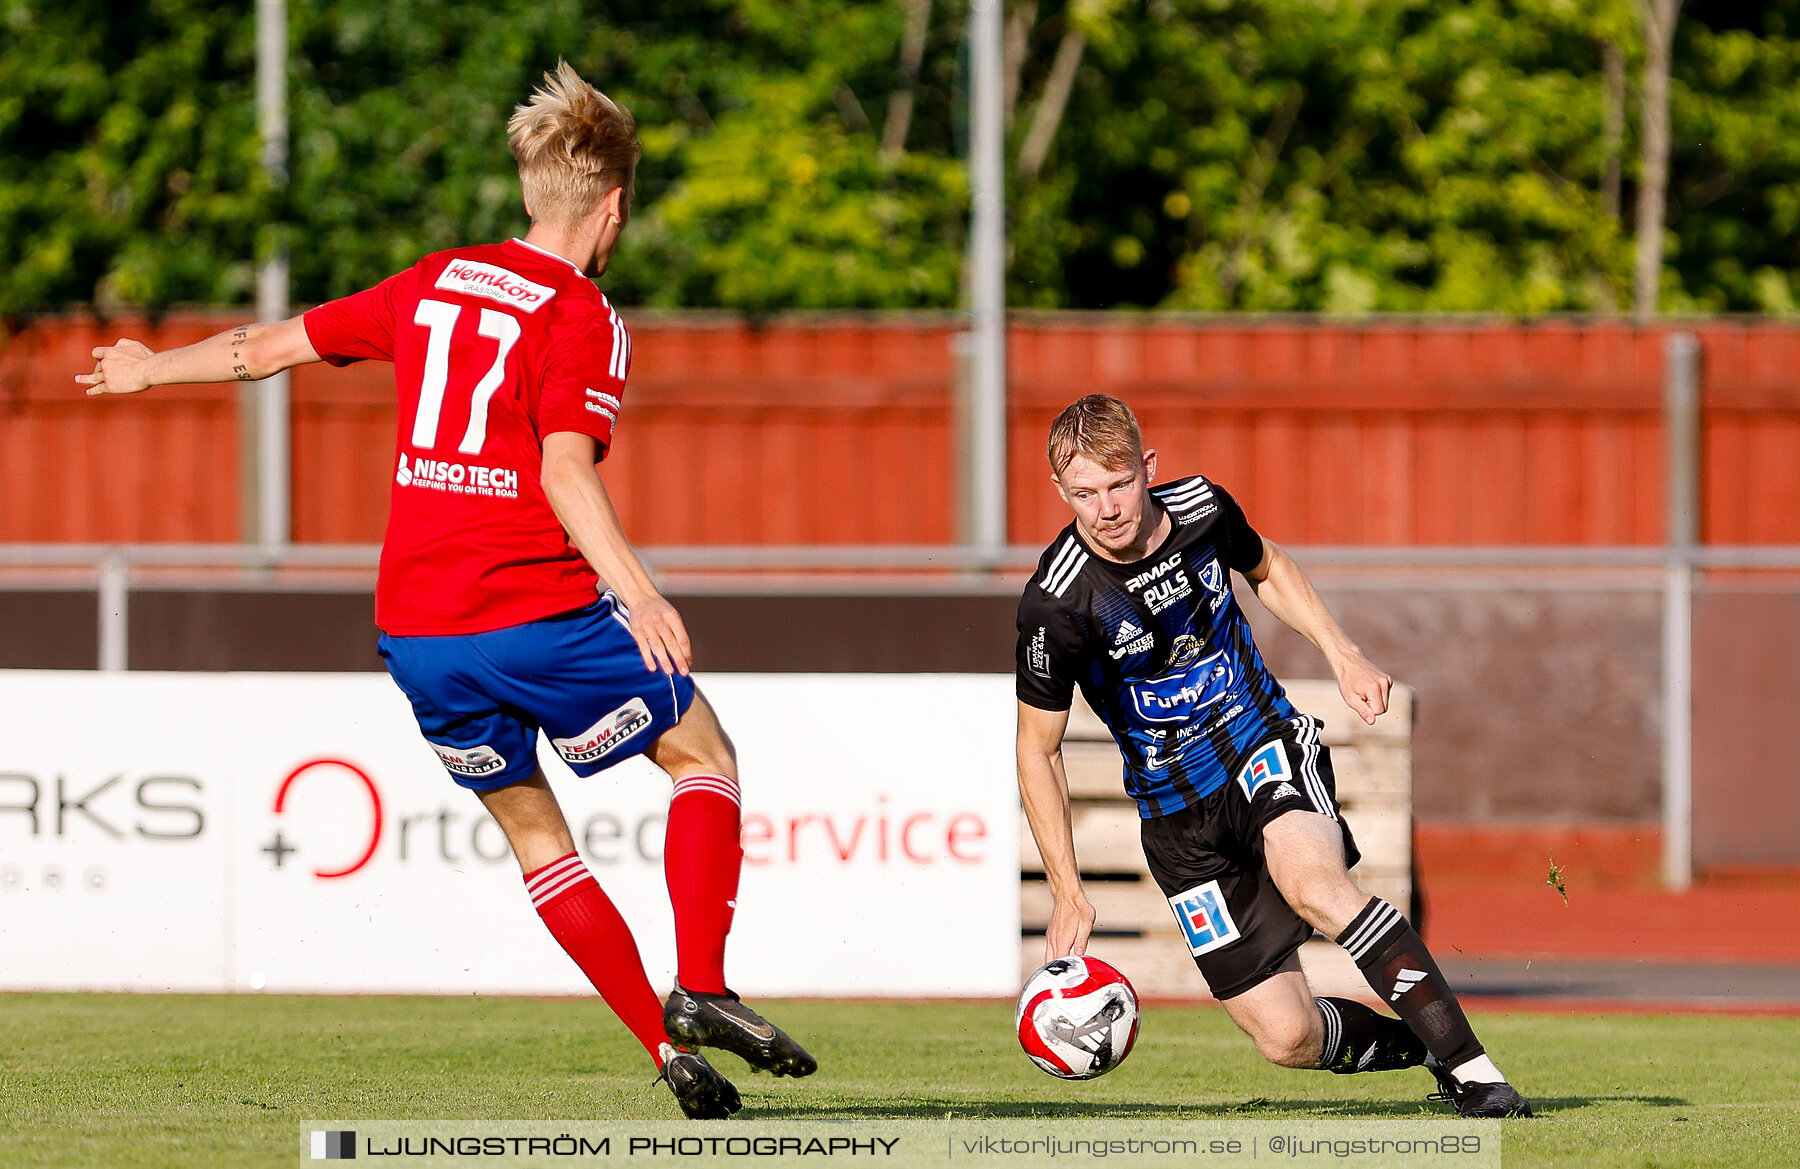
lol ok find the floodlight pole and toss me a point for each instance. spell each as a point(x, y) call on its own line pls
point(1681, 417)
point(982, 405)
point(264, 438)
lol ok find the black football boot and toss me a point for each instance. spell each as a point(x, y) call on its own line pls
point(696, 1019)
point(701, 1091)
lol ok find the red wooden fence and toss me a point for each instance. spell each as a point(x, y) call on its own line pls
point(840, 431)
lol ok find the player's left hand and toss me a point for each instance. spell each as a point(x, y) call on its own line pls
point(661, 636)
point(118, 369)
point(1365, 688)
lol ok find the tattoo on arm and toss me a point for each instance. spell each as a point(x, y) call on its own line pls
point(239, 336)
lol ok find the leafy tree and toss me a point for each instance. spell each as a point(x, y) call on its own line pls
point(1274, 155)
point(1734, 208)
point(1294, 155)
point(128, 154)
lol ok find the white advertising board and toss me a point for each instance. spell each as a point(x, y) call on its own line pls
point(287, 832)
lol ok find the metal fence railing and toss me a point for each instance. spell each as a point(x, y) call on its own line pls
point(113, 572)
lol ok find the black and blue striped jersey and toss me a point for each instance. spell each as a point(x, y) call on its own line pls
point(1159, 647)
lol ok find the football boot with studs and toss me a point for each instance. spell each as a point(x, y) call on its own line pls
point(1474, 1101)
point(698, 1019)
point(701, 1091)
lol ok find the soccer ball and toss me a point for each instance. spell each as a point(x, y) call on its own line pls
point(1077, 1018)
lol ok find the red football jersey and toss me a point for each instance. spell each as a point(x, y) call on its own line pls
point(493, 347)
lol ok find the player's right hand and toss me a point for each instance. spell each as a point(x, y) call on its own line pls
point(118, 369)
point(661, 636)
point(1071, 921)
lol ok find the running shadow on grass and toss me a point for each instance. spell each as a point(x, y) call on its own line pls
point(941, 1109)
point(1416, 1109)
point(1545, 1105)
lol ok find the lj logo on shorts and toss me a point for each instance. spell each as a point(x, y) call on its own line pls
point(1204, 918)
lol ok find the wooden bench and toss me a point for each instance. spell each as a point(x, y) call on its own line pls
point(1135, 929)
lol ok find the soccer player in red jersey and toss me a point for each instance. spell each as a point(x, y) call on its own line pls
point(510, 367)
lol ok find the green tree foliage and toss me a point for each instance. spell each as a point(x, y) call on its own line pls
point(1734, 200)
point(127, 153)
point(773, 192)
point(1276, 155)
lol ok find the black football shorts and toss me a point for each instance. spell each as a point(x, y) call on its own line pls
point(1208, 860)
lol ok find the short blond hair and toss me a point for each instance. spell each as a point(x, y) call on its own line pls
point(1099, 426)
point(573, 145)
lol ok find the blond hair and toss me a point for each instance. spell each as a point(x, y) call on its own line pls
point(1099, 426)
point(573, 145)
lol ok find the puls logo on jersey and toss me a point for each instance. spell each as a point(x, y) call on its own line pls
point(1179, 697)
point(480, 760)
point(605, 736)
point(473, 278)
point(1163, 585)
point(1164, 593)
point(458, 478)
point(1130, 639)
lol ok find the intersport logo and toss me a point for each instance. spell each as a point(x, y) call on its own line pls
point(473, 278)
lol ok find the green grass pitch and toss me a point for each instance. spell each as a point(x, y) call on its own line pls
point(156, 1080)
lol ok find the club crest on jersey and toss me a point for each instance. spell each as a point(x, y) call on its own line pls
point(482, 760)
point(1131, 638)
point(1204, 918)
point(605, 736)
point(473, 278)
point(1215, 582)
point(1268, 765)
point(1179, 697)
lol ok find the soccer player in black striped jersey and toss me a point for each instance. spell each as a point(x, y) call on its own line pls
point(1133, 603)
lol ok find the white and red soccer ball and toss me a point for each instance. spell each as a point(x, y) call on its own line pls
point(1077, 1018)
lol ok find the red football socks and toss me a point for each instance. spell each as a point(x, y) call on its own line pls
point(702, 855)
point(584, 921)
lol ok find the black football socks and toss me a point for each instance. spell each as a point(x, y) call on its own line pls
point(1358, 1039)
point(1392, 956)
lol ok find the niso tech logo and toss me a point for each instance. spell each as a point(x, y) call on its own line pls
point(457, 478)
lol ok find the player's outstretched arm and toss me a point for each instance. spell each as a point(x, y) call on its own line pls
point(1044, 790)
point(246, 353)
point(1289, 594)
point(572, 484)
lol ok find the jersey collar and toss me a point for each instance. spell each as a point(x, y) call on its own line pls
point(549, 255)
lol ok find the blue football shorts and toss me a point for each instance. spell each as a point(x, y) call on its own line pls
point(481, 698)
